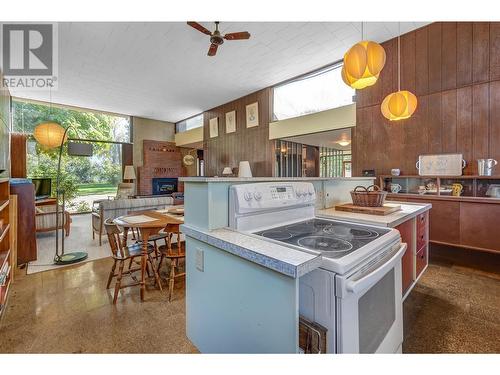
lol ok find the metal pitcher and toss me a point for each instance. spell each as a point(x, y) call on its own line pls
point(485, 166)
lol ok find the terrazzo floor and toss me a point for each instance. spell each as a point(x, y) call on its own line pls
point(68, 310)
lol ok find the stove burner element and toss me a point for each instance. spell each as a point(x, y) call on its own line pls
point(278, 235)
point(350, 233)
point(326, 244)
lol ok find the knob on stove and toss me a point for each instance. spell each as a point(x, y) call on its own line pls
point(247, 196)
point(257, 195)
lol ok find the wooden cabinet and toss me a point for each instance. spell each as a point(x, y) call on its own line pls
point(479, 225)
point(415, 233)
point(468, 222)
point(407, 261)
point(26, 239)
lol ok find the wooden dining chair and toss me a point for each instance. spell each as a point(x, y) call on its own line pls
point(154, 238)
point(175, 253)
point(121, 254)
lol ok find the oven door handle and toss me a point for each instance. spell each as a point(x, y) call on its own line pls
point(356, 286)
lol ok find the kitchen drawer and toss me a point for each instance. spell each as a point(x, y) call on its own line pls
point(421, 238)
point(422, 220)
point(421, 260)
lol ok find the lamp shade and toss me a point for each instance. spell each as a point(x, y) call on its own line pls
point(399, 105)
point(244, 169)
point(129, 173)
point(363, 63)
point(227, 171)
point(49, 134)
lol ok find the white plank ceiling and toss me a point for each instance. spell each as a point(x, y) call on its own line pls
point(162, 71)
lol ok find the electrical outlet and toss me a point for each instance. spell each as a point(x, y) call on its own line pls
point(199, 260)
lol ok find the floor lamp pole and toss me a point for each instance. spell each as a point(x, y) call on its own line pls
point(72, 257)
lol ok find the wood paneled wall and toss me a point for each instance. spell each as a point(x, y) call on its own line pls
point(454, 69)
point(18, 155)
point(251, 144)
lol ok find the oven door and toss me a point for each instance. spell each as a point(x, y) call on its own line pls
point(369, 305)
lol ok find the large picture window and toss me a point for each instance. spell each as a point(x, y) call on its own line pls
point(84, 179)
point(315, 92)
point(190, 123)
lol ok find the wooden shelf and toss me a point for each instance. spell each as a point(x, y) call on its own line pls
point(3, 204)
point(4, 232)
point(4, 255)
point(463, 177)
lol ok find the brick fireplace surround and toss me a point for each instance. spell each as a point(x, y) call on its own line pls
point(160, 159)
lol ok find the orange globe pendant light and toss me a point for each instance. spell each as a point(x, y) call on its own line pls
point(49, 134)
point(401, 104)
point(363, 63)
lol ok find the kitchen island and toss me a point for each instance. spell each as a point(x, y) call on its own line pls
point(242, 292)
point(412, 221)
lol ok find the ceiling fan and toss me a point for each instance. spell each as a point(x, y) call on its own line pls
point(216, 38)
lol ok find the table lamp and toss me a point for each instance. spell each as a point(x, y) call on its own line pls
point(129, 173)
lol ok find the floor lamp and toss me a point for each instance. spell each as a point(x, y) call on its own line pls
point(51, 135)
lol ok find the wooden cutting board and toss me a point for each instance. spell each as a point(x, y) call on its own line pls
point(386, 209)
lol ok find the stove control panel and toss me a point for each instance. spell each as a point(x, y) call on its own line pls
point(281, 192)
point(246, 198)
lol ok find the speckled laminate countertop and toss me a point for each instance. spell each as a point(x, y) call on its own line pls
point(265, 179)
point(282, 259)
point(408, 211)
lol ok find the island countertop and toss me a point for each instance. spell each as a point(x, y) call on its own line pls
point(408, 211)
point(282, 259)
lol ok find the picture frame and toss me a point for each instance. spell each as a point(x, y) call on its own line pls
point(231, 122)
point(214, 127)
point(252, 115)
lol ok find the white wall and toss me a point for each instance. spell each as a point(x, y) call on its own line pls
point(154, 130)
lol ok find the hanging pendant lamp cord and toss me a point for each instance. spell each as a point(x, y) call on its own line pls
point(399, 56)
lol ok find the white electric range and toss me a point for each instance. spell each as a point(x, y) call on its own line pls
point(356, 294)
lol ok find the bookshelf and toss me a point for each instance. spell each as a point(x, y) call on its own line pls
point(6, 255)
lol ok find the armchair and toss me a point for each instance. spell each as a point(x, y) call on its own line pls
point(45, 219)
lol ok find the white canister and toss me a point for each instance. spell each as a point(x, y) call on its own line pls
point(244, 169)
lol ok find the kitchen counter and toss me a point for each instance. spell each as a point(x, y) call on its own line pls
point(270, 179)
point(282, 259)
point(408, 211)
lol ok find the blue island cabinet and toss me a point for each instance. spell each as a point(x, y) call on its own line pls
point(236, 306)
point(242, 294)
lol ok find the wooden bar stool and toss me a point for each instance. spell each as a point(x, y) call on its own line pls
point(121, 254)
point(174, 253)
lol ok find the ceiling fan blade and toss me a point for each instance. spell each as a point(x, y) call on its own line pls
point(212, 50)
point(198, 27)
point(237, 36)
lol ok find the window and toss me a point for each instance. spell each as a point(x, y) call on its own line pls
point(84, 179)
point(87, 124)
point(334, 163)
point(315, 92)
point(190, 123)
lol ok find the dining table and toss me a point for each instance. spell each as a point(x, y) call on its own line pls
point(148, 223)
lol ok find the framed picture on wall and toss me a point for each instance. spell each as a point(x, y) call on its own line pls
point(231, 122)
point(252, 115)
point(214, 127)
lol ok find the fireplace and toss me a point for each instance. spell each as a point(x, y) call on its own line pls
point(164, 186)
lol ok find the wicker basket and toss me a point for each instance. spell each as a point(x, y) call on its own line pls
point(371, 196)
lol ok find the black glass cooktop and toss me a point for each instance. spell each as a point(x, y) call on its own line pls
point(331, 238)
